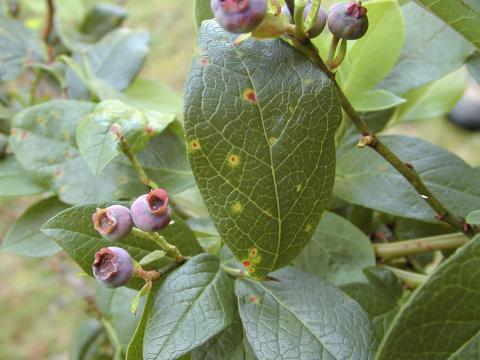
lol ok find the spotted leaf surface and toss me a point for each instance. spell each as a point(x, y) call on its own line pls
point(260, 121)
point(302, 317)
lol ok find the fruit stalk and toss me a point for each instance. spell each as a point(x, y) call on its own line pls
point(171, 250)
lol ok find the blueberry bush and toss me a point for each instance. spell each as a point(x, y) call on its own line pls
point(274, 215)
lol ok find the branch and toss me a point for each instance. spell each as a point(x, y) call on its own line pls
point(417, 246)
point(442, 213)
point(50, 16)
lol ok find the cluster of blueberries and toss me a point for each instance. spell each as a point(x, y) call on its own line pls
point(113, 266)
point(346, 21)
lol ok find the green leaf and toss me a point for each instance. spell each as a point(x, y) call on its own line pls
point(435, 309)
point(302, 317)
point(375, 100)
point(372, 57)
point(153, 256)
point(473, 65)
point(380, 297)
point(102, 19)
point(135, 347)
point(165, 161)
point(14, 180)
point(98, 133)
point(43, 140)
point(115, 306)
point(260, 122)
point(434, 99)
point(365, 178)
point(86, 340)
point(116, 59)
point(72, 229)
point(338, 251)
point(473, 218)
point(153, 95)
point(202, 11)
point(25, 237)
point(18, 47)
point(195, 303)
point(229, 344)
point(460, 15)
point(431, 51)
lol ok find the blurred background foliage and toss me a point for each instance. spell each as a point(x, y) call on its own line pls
point(43, 301)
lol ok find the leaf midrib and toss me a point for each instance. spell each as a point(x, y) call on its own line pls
point(272, 169)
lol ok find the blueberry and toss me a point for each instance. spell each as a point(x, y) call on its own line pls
point(318, 24)
point(348, 21)
point(150, 212)
point(112, 267)
point(239, 16)
point(113, 223)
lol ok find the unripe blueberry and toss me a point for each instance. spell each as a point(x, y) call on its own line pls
point(113, 223)
point(112, 267)
point(239, 16)
point(150, 212)
point(348, 21)
point(319, 23)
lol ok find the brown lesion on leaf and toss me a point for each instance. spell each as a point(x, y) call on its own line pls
point(253, 299)
point(193, 145)
point(233, 160)
point(250, 95)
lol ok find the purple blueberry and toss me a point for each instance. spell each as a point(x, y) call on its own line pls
point(112, 267)
point(348, 21)
point(150, 212)
point(113, 223)
point(318, 24)
point(239, 16)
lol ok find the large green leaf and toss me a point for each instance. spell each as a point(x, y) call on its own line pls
point(379, 297)
point(229, 344)
point(165, 161)
point(25, 238)
point(301, 316)
point(447, 305)
point(366, 179)
point(432, 50)
point(43, 140)
point(260, 121)
point(135, 347)
point(372, 57)
point(116, 59)
point(473, 217)
point(202, 11)
point(195, 303)
point(98, 132)
point(434, 99)
point(115, 306)
point(338, 251)
point(460, 15)
point(14, 180)
point(72, 229)
point(473, 65)
point(102, 19)
point(86, 340)
point(18, 47)
point(153, 95)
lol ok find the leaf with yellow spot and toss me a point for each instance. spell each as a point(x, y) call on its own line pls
point(265, 118)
